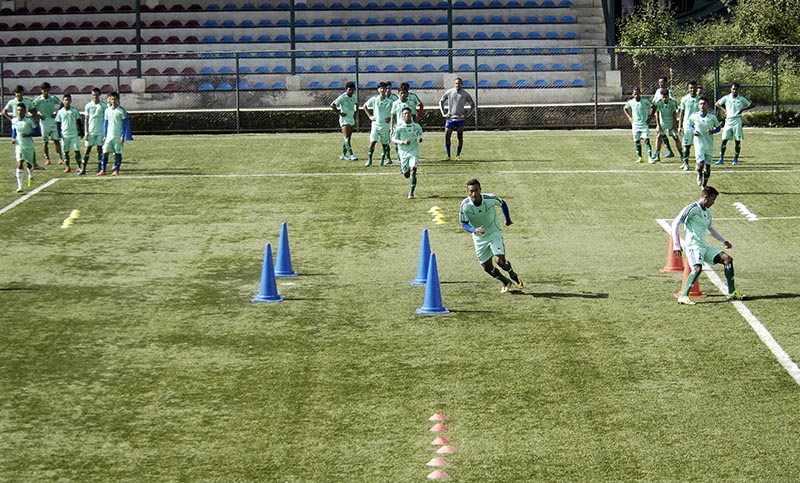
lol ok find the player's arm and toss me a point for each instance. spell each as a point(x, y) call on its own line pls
point(467, 227)
point(336, 108)
point(368, 110)
point(472, 106)
point(713, 231)
point(675, 232)
point(506, 213)
point(627, 113)
point(442, 104)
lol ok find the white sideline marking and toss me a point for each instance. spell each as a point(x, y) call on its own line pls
point(743, 209)
point(27, 195)
point(762, 332)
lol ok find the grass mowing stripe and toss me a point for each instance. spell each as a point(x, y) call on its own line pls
point(759, 328)
point(27, 195)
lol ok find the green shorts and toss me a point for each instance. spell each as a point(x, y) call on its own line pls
point(379, 133)
point(489, 245)
point(641, 132)
point(697, 255)
point(113, 146)
point(71, 143)
point(733, 131)
point(25, 153)
point(407, 161)
point(94, 140)
point(49, 130)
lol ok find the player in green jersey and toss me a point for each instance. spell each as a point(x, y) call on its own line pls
point(116, 123)
point(696, 219)
point(666, 125)
point(379, 111)
point(407, 135)
point(413, 99)
point(733, 105)
point(686, 108)
point(46, 107)
point(10, 113)
point(389, 94)
point(94, 115)
point(478, 216)
point(703, 125)
point(346, 105)
point(24, 128)
point(639, 111)
point(67, 118)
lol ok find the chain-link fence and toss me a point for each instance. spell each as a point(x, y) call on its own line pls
point(574, 87)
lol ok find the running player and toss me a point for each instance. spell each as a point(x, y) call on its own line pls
point(94, 114)
point(733, 105)
point(346, 105)
point(24, 126)
point(703, 125)
point(46, 107)
point(686, 108)
point(379, 111)
point(639, 111)
point(696, 219)
point(407, 135)
point(478, 216)
point(452, 105)
point(666, 124)
point(68, 118)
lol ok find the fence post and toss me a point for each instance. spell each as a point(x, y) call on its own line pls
point(236, 80)
point(716, 74)
point(596, 88)
point(475, 107)
point(776, 104)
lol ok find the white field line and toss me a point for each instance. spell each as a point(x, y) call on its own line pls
point(27, 195)
point(766, 337)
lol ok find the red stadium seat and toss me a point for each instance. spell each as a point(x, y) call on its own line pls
point(35, 26)
point(121, 25)
point(8, 73)
point(177, 8)
point(156, 24)
point(55, 90)
point(105, 24)
point(39, 11)
point(87, 89)
point(35, 91)
point(56, 9)
point(175, 24)
point(170, 87)
point(87, 25)
point(53, 26)
point(170, 71)
point(119, 40)
point(73, 9)
point(108, 8)
point(78, 72)
point(43, 73)
point(24, 73)
point(101, 40)
point(14, 41)
point(152, 71)
point(126, 8)
point(32, 41)
point(125, 89)
point(131, 71)
point(188, 71)
point(153, 88)
point(90, 8)
point(107, 88)
point(60, 73)
point(173, 39)
point(191, 40)
point(84, 41)
point(71, 90)
point(192, 24)
point(115, 71)
point(155, 40)
point(69, 25)
point(98, 71)
point(66, 41)
point(49, 41)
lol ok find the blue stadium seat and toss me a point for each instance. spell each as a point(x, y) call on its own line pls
point(300, 22)
point(390, 68)
point(317, 68)
point(335, 85)
point(245, 38)
point(279, 69)
point(336, 21)
point(262, 69)
point(390, 36)
point(530, 4)
point(540, 83)
point(484, 67)
point(337, 6)
point(225, 70)
point(279, 86)
point(496, 19)
point(578, 83)
point(230, 6)
point(568, 19)
point(558, 67)
point(425, 20)
point(533, 35)
point(371, 85)
point(205, 86)
point(225, 86)
point(247, 23)
point(244, 86)
point(484, 83)
point(212, 6)
point(335, 68)
point(551, 35)
point(572, 50)
point(427, 36)
point(560, 83)
point(354, 37)
point(520, 67)
point(444, 68)
point(428, 84)
point(335, 38)
point(299, 69)
point(227, 39)
point(318, 6)
point(265, 6)
point(372, 68)
point(318, 38)
point(503, 83)
point(245, 70)
point(522, 83)
point(571, 35)
point(576, 66)
point(514, 19)
point(549, 19)
point(479, 35)
point(539, 66)
point(409, 68)
point(260, 85)
point(548, 3)
point(515, 35)
point(564, 3)
point(351, 6)
point(316, 85)
point(228, 23)
point(389, 21)
point(478, 19)
point(468, 83)
point(354, 21)
point(210, 23)
point(465, 68)
point(207, 70)
point(459, 20)
point(408, 36)
point(318, 22)
point(428, 68)
point(462, 36)
point(412, 84)
point(371, 21)
point(209, 39)
point(408, 21)
point(502, 67)
point(498, 35)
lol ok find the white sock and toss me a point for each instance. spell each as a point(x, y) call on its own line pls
point(19, 178)
point(30, 173)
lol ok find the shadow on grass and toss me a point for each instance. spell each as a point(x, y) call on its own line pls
point(721, 299)
point(766, 193)
point(562, 295)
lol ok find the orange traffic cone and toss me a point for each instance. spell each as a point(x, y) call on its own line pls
point(694, 292)
point(673, 263)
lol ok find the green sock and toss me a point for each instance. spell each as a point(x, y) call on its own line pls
point(649, 150)
point(638, 150)
point(690, 280)
point(722, 151)
point(666, 145)
point(511, 272)
point(729, 277)
point(736, 149)
point(347, 148)
point(707, 175)
point(344, 147)
point(499, 276)
point(413, 182)
point(387, 152)
point(371, 152)
point(66, 159)
point(685, 153)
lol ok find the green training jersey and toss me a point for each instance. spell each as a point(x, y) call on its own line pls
point(47, 106)
point(696, 222)
point(11, 106)
point(26, 126)
point(347, 105)
point(483, 215)
point(408, 132)
point(688, 106)
point(69, 121)
point(397, 110)
point(666, 110)
point(381, 109)
point(704, 142)
point(95, 113)
point(733, 107)
point(640, 111)
point(115, 117)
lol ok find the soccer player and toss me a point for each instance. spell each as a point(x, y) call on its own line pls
point(686, 108)
point(391, 95)
point(67, 118)
point(94, 114)
point(116, 124)
point(452, 105)
point(696, 219)
point(663, 86)
point(379, 111)
point(346, 105)
point(407, 136)
point(10, 113)
point(733, 105)
point(666, 124)
point(639, 111)
point(703, 125)
point(479, 217)
point(24, 126)
point(413, 99)
point(46, 107)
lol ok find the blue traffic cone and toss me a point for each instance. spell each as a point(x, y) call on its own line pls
point(283, 263)
point(424, 258)
point(433, 293)
point(268, 292)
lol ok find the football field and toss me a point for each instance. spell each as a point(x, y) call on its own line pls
point(130, 349)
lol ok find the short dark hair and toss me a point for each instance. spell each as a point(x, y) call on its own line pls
point(67, 96)
point(665, 79)
point(23, 106)
point(736, 84)
point(45, 85)
point(96, 89)
point(474, 182)
point(691, 83)
point(381, 84)
point(703, 98)
point(350, 84)
point(19, 89)
point(709, 191)
point(113, 93)
point(405, 86)
point(406, 109)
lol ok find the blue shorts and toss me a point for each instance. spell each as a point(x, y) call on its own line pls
point(454, 124)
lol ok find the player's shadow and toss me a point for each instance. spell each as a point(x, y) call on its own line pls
point(765, 193)
point(774, 296)
point(561, 295)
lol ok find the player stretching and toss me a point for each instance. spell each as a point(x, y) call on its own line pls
point(452, 105)
point(733, 105)
point(117, 125)
point(479, 217)
point(696, 219)
point(346, 105)
point(407, 136)
point(24, 127)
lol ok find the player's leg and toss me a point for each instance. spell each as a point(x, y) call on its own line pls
point(345, 142)
point(373, 139)
point(460, 139)
point(57, 143)
point(677, 146)
point(737, 148)
point(46, 143)
point(20, 162)
point(694, 258)
point(727, 266)
point(387, 149)
point(657, 154)
point(119, 147)
point(448, 134)
point(503, 263)
point(637, 136)
point(723, 145)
